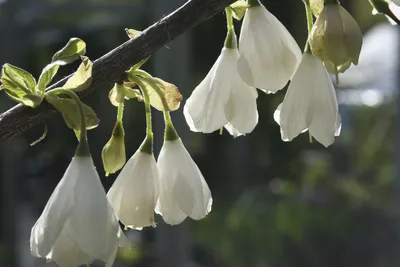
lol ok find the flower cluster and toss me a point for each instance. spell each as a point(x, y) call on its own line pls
point(172, 187)
point(268, 58)
point(80, 222)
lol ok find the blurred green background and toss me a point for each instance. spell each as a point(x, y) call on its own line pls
point(276, 204)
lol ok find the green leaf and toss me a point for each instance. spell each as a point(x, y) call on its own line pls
point(19, 86)
point(82, 78)
point(70, 52)
point(163, 96)
point(239, 9)
point(316, 6)
point(15, 76)
point(30, 100)
point(47, 75)
point(70, 112)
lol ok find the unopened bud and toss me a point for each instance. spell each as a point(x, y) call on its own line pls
point(113, 153)
point(336, 37)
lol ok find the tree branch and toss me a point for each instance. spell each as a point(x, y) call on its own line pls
point(111, 67)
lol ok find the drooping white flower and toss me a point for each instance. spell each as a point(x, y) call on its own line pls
point(310, 104)
point(134, 193)
point(269, 55)
point(223, 99)
point(183, 190)
point(78, 224)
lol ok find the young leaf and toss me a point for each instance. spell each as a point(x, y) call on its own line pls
point(316, 6)
point(70, 52)
point(117, 95)
point(239, 9)
point(30, 100)
point(14, 75)
point(133, 93)
point(82, 78)
point(119, 92)
point(70, 112)
point(47, 75)
point(19, 85)
point(163, 94)
point(132, 33)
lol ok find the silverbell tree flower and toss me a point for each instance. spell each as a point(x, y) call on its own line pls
point(183, 190)
point(223, 98)
point(310, 104)
point(269, 55)
point(134, 193)
point(78, 224)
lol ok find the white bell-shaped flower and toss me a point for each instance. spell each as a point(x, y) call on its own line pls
point(310, 104)
point(223, 99)
point(78, 224)
point(183, 190)
point(269, 55)
point(134, 193)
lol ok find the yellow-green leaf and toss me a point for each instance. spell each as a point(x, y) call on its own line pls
point(19, 85)
point(117, 95)
point(13, 76)
point(30, 100)
point(316, 6)
point(133, 93)
point(70, 52)
point(70, 112)
point(47, 75)
point(82, 78)
point(164, 96)
point(239, 9)
point(132, 33)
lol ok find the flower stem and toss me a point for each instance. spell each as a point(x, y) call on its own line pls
point(230, 41)
point(253, 3)
point(147, 145)
point(170, 133)
point(310, 22)
point(330, 2)
point(120, 113)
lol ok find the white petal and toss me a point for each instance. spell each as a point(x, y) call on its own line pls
point(183, 190)
point(58, 208)
point(204, 110)
point(241, 109)
point(66, 253)
point(135, 191)
point(269, 54)
point(338, 125)
point(92, 224)
point(232, 130)
point(310, 103)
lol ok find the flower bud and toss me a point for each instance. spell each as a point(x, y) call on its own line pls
point(336, 37)
point(113, 153)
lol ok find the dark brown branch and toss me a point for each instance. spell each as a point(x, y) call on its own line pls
point(111, 67)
